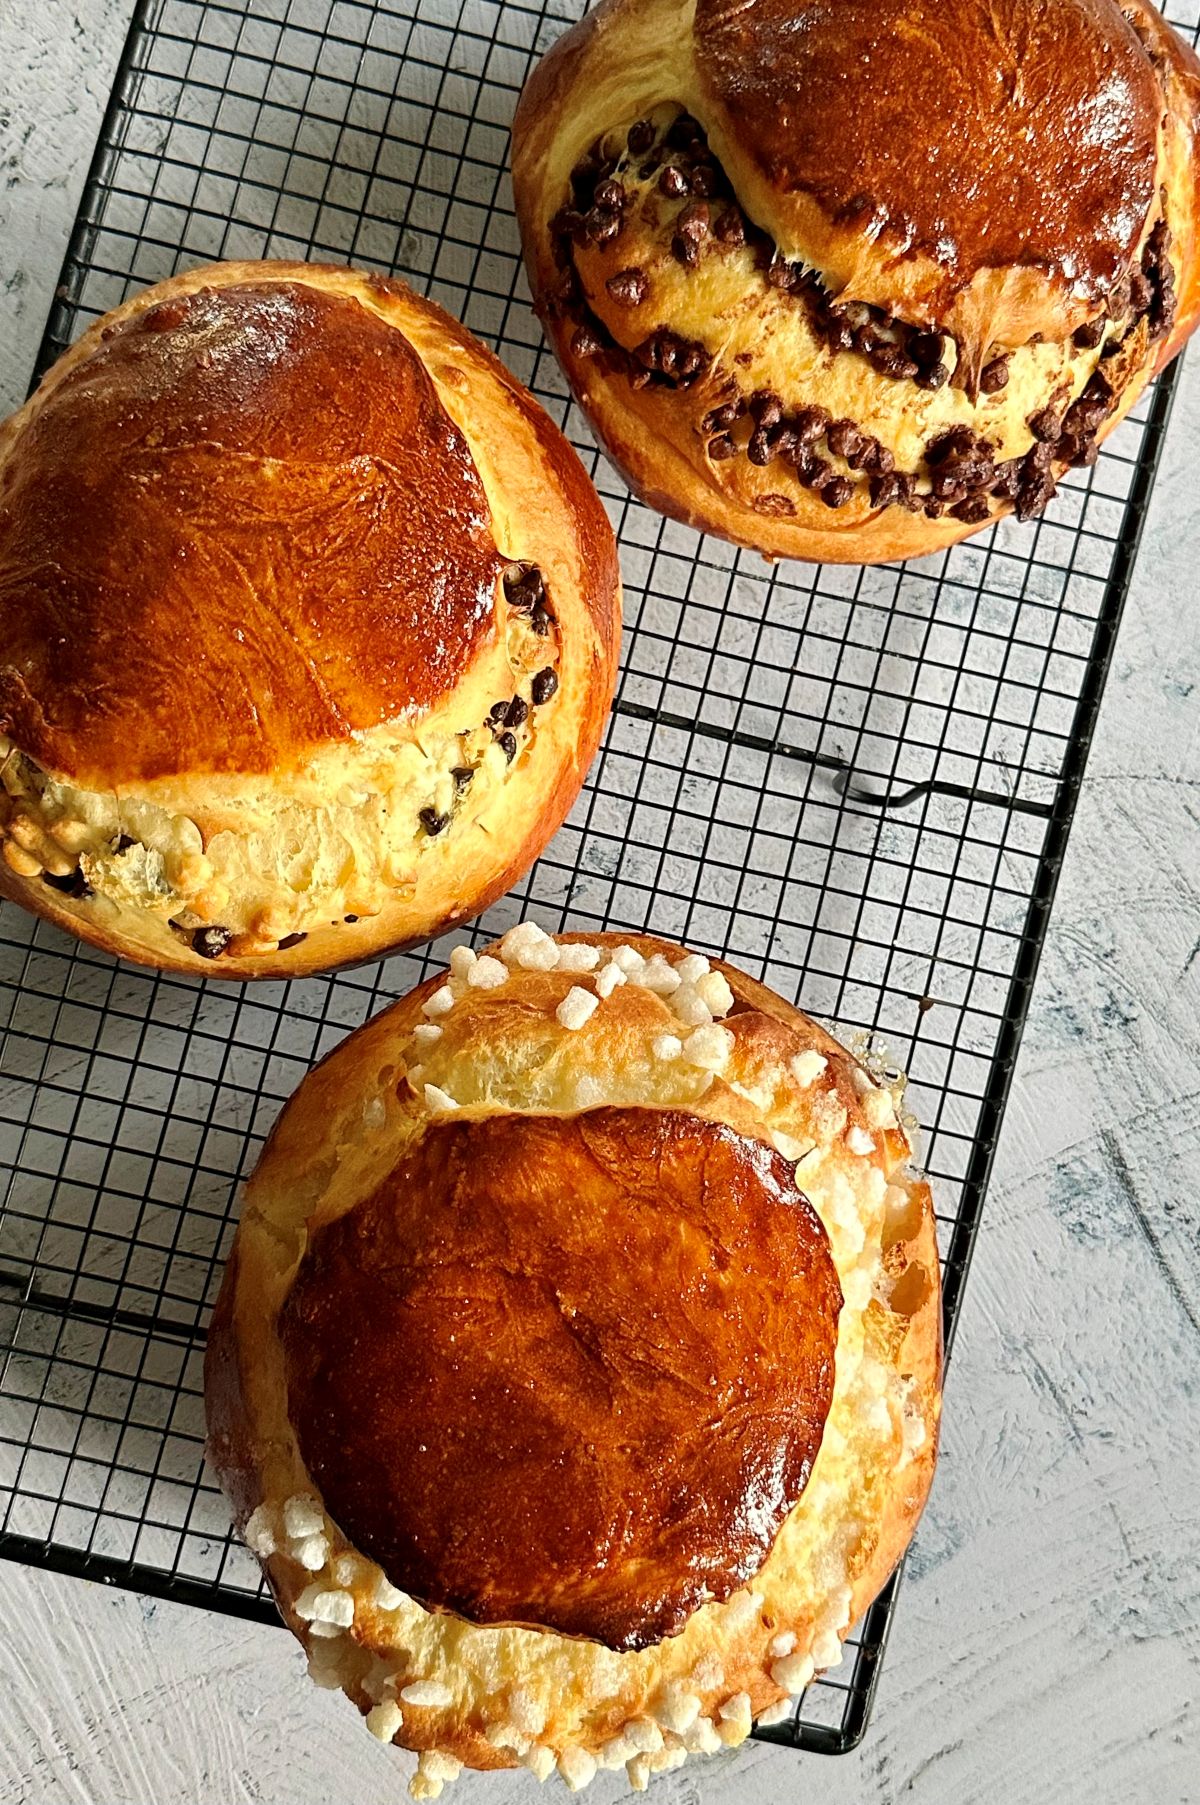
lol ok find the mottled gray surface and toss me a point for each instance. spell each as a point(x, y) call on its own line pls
point(1047, 1646)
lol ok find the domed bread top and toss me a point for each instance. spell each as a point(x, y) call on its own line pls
point(313, 552)
point(587, 1371)
point(943, 132)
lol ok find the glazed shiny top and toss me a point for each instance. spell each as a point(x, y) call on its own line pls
point(570, 1373)
point(242, 527)
point(981, 134)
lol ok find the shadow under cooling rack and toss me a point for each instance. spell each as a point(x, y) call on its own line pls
point(857, 784)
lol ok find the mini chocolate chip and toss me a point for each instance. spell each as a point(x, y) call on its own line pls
point(839, 334)
point(817, 474)
point(350, 918)
point(291, 940)
point(885, 488)
point(1140, 292)
point(721, 448)
point(518, 712)
point(543, 686)
point(843, 437)
point(926, 347)
point(629, 287)
point(693, 361)
point(836, 494)
point(994, 376)
point(609, 194)
point(693, 220)
point(462, 775)
point(810, 423)
point(640, 137)
point(766, 408)
point(124, 842)
point(497, 712)
point(730, 227)
point(759, 450)
point(585, 343)
point(780, 275)
point(704, 180)
point(431, 821)
point(210, 943)
point(891, 360)
point(508, 741)
point(673, 182)
point(603, 224)
point(783, 439)
point(945, 486)
point(523, 586)
point(867, 339)
point(1088, 336)
point(685, 251)
point(1046, 424)
point(1084, 416)
point(908, 497)
point(935, 377)
point(683, 132)
point(1008, 476)
point(953, 442)
point(878, 458)
point(640, 379)
point(722, 418)
point(74, 884)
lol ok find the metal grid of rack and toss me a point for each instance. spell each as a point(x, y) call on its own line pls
point(858, 784)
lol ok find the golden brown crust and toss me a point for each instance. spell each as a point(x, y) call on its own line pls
point(787, 163)
point(496, 1044)
point(304, 580)
point(506, 1352)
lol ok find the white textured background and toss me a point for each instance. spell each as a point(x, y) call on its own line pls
point(1047, 1646)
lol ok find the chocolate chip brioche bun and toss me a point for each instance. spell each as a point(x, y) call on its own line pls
point(576, 1371)
point(849, 279)
point(308, 625)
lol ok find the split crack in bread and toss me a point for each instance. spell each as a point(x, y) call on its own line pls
point(576, 1370)
point(309, 619)
point(847, 280)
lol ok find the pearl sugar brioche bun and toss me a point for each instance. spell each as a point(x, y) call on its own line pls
point(576, 1371)
point(850, 279)
point(308, 625)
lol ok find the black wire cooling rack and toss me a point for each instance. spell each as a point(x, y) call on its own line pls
point(858, 784)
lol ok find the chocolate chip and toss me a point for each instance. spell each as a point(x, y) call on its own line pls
point(1046, 424)
point(692, 360)
point(730, 227)
point(1008, 477)
point(817, 474)
point(891, 360)
point(878, 458)
point(1035, 487)
point(766, 408)
point(722, 418)
point(684, 132)
point(954, 442)
point(843, 437)
point(350, 918)
point(721, 448)
point(210, 943)
point(935, 377)
point(74, 884)
point(497, 712)
point(836, 494)
point(705, 180)
point(932, 508)
point(926, 347)
point(508, 741)
point(944, 486)
point(543, 686)
point(867, 338)
point(1084, 416)
point(585, 342)
point(810, 423)
point(1140, 292)
point(462, 775)
point(518, 712)
point(431, 821)
point(685, 251)
point(994, 376)
point(885, 488)
point(759, 449)
point(673, 182)
point(124, 842)
point(781, 275)
point(783, 439)
point(1088, 336)
point(693, 220)
point(602, 225)
point(523, 586)
point(610, 194)
point(839, 334)
point(291, 940)
point(640, 137)
point(629, 287)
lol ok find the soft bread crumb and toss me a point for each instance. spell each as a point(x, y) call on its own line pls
point(794, 1672)
point(781, 1645)
point(827, 1651)
point(577, 1007)
point(431, 1694)
point(860, 1142)
point(789, 1146)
